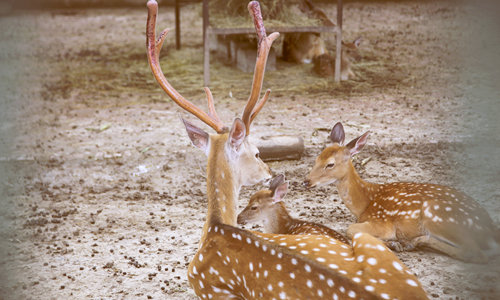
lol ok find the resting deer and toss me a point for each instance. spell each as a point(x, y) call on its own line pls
point(303, 47)
point(267, 206)
point(405, 215)
point(324, 65)
point(235, 263)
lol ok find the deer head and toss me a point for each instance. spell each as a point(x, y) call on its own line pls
point(350, 51)
point(334, 162)
point(240, 154)
point(263, 203)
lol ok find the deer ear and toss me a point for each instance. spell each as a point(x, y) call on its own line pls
point(357, 42)
point(198, 137)
point(357, 144)
point(280, 192)
point(237, 134)
point(337, 135)
point(276, 182)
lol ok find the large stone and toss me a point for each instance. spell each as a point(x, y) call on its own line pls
point(281, 147)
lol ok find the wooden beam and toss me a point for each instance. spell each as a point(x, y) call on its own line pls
point(339, 41)
point(177, 25)
point(206, 46)
point(245, 30)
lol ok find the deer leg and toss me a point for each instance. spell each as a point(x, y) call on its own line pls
point(351, 74)
point(366, 246)
point(467, 253)
point(383, 231)
point(449, 240)
point(396, 246)
point(344, 76)
point(402, 246)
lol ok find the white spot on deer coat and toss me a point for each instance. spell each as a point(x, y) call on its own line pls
point(411, 282)
point(372, 261)
point(309, 283)
point(397, 265)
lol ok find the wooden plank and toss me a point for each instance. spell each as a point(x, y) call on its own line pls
point(229, 31)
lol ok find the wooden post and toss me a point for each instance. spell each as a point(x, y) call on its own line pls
point(177, 26)
point(339, 41)
point(206, 45)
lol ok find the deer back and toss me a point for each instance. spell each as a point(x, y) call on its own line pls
point(236, 262)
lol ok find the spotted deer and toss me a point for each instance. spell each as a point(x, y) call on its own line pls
point(235, 263)
point(354, 261)
point(267, 207)
point(405, 215)
point(324, 65)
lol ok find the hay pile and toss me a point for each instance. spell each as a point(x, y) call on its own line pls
point(276, 13)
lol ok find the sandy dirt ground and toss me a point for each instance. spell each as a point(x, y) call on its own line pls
point(103, 197)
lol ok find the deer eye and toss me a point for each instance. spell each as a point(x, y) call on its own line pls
point(329, 166)
point(253, 207)
point(257, 155)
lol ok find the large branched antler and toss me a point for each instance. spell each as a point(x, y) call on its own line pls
point(154, 46)
point(253, 106)
point(211, 118)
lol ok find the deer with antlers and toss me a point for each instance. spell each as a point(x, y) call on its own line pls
point(235, 263)
point(405, 215)
point(267, 206)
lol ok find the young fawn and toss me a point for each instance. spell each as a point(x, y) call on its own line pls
point(267, 206)
point(405, 215)
point(324, 65)
point(235, 263)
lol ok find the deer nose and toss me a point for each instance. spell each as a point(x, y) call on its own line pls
point(241, 221)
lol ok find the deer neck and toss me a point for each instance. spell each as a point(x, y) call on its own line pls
point(354, 191)
point(278, 220)
point(222, 187)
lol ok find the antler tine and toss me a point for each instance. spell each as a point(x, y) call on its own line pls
point(259, 105)
point(265, 43)
point(153, 49)
point(211, 107)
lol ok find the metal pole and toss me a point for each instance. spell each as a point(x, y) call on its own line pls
point(339, 41)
